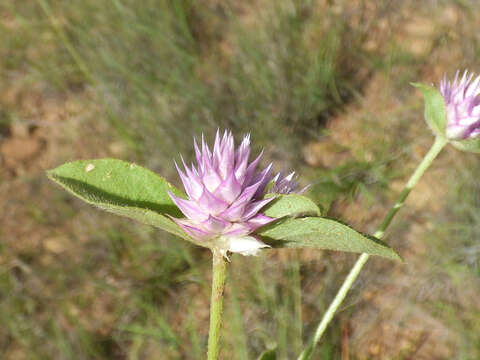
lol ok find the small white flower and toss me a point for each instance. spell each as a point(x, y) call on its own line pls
point(244, 245)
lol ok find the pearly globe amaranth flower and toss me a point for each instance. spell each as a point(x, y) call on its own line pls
point(462, 102)
point(226, 195)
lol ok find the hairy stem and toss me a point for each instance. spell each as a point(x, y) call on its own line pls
point(219, 269)
point(437, 146)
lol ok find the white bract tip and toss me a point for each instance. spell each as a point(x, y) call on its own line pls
point(455, 132)
point(245, 245)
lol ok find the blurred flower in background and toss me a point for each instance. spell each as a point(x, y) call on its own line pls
point(462, 100)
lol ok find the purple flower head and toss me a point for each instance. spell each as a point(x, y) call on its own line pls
point(462, 101)
point(225, 195)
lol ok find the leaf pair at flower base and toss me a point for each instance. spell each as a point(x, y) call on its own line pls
point(132, 191)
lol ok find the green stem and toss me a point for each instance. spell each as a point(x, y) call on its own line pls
point(437, 146)
point(219, 269)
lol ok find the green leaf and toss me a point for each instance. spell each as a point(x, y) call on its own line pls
point(322, 233)
point(435, 112)
point(291, 205)
point(111, 181)
point(468, 145)
point(122, 188)
point(268, 355)
point(149, 217)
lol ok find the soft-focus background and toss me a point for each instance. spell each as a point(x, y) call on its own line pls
point(323, 87)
